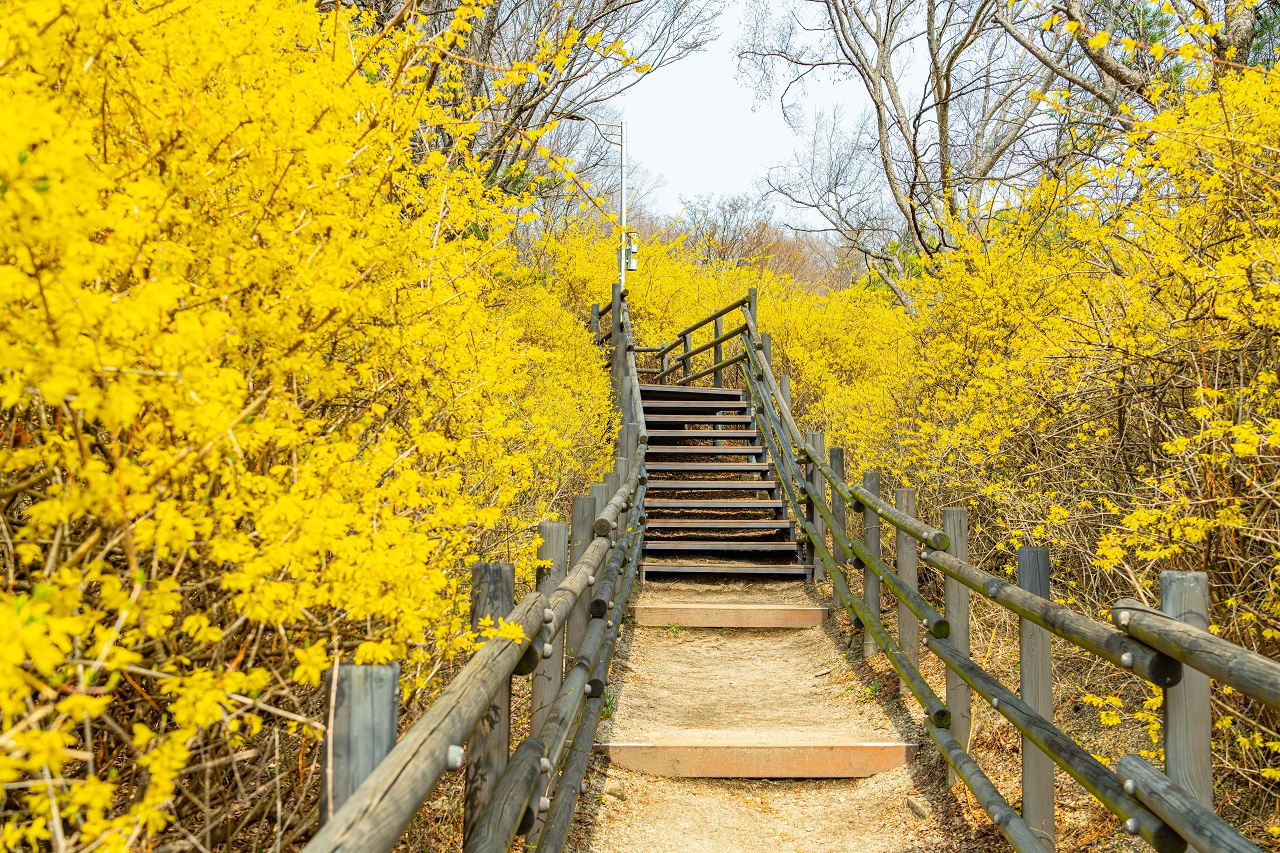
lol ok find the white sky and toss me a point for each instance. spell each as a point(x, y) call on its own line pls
point(701, 129)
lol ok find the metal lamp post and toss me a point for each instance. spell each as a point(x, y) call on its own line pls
point(615, 134)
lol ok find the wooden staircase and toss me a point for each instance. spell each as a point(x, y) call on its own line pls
point(713, 502)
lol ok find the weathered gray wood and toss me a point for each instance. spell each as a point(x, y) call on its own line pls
point(785, 392)
point(1203, 829)
point(767, 348)
point(1221, 660)
point(816, 443)
point(1014, 829)
point(377, 814)
point(362, 710)
point(839, 518)
point(686, 340)
point(852, 492)
point(497, 827)
point(1035, 673)
point(1188, 718)
point(955, 524)
point(549, 674)
point(718, 354)
point(908, 573)
point(937, 712)
point(493, 592)
point(607, 520)
point(728, 362)
point(581, 536)
point(575, 766)
point(693, 327)
point(1100, 782)
point(858, 549)
point(1100, 639)
point(546, 678)
point(871, 580)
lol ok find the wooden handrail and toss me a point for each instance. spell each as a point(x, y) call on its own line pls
point(728, 362)
point(1152, 644)
point(855, 494)
point(693, 327)
point(1079, 763)
point(1247, 671)
point(1101, 639)
point(711, 344)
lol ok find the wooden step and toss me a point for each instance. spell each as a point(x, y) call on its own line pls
point(717, 524)
point(734, 568)
point(779, 757)
point(729, 615)
point(705, 434)
point(711, 504)
point(691, 418)
point(713, 485)
point(655, 545)
point(685, 392)
point(719, 467)
point(695, 405)
point(726, 450)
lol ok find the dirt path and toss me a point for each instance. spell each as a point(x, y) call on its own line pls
point(728, 683)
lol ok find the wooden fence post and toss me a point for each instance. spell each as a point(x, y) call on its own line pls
point(602, 493)
point(687, 340)
point(595, 320)
point(580, 536)
point(955, 523)
point(718, 353)
point(816, 442)
point(784, 385)
point(1188, 722)
point(493, 594)
point(870, 580)
point(628, 439)
point(1035, 668)
point(767, 340)
point(615, 340)
point(547, 677)
point(908, 573)
point(362, 706)
point(838, 507)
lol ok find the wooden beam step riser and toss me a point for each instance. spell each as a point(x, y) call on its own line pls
point(732, 545)
point(695, 503)
point(705, 434)
point(674, 392)
point(723, 569)
point(698, 419)
point(713, 467)
point(713, 485)
point(694, 405)
point(729, 615)
point(732, 450)
point(746, 760)
point(718, 524)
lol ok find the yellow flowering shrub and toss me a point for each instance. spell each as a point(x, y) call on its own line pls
point(266, 390)
point(1094, 368)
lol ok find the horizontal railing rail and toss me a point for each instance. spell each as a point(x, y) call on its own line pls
point(1149, 643)
point(510, 791)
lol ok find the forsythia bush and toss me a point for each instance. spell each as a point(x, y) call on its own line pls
point(1095, 368)
point(265, 392)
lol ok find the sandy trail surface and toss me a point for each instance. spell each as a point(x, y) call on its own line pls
point(783, 684)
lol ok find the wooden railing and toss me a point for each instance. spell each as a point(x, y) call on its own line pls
point(375, 786)
point(1171, 647)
